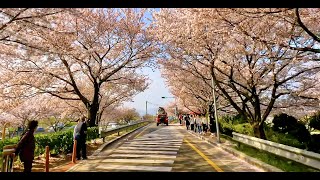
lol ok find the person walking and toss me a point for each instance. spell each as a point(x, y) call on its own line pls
point(187, 119)
point(180, 118)
point(195, 122)
point(191, 122)
point(26, 146)
point(199, 124)
point(204, 124)
point(80, 134)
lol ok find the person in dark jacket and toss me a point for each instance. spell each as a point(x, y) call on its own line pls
point(80, 134)
point(26, 146)
point(187, 119)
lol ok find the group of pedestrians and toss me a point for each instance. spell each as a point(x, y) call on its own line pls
point(196, 123)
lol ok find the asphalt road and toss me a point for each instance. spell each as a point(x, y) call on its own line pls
point(163, 149)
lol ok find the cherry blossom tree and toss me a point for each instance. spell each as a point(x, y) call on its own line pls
point(293, 28)
point(253, 76)
point(78, 55)
point(128, 114)
point(181, 70)
point(14, 20)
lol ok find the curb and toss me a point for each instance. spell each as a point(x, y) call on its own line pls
point(96, 152)
point(240, 155)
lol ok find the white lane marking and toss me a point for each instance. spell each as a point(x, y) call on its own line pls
point(150, 145)
point(143, 152)
point(158, 139)
point(149, 148)
point(157, 143)
point(144, 155)
point(141, 168)
point(151, 161)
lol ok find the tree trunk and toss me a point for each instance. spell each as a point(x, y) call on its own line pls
point(92, 115)
point(94, 107)
point(258, 131)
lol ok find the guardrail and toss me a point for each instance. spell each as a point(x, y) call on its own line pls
point(299, 155)
point(105, 133)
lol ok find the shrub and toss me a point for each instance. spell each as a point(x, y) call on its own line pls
point(314, 121)
point(244, 128)
point(93, 133)
point(228, 124)
point(314, 144)
point(225, 126)
point(282, 138)
point(58, 142)
point(10, 141)
point(301, 133)
point(239, 119)
point(284, 123)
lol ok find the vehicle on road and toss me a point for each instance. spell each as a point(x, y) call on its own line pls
point(112, 125)
point(162, 117)
point(56, 127)
point(40, 130)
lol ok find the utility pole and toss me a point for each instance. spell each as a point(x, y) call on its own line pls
point(175, 107)
point(146, 108)
point(215, 108)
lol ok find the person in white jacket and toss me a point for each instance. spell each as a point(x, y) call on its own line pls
point(192, 123)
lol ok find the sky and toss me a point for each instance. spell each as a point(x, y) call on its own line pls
point(153, 95)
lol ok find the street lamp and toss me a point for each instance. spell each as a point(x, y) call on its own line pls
point(215, 108)
point(175, 108)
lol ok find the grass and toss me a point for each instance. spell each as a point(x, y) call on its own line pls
point(282, 163)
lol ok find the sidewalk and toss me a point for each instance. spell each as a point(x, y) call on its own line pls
point(228, 146)
point(63, 168)
point(70, 165)
point(208, 137)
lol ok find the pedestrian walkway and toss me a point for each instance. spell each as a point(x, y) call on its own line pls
point(153, 152)
point(63, 168)
point(158, 152)
point(228, 146)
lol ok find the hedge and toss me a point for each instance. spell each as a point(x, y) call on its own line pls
point(58, 142)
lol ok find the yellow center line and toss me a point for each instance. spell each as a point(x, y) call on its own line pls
point(217, 168)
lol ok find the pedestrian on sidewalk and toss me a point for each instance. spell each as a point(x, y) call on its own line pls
point(80, 134)
point(212, 126)
point(199, 124)
point(187, 119)
point(26, 146)
point(195, 123)
point(204, 124)
point(191, 123)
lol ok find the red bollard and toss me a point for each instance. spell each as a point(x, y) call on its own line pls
point(74, 152)
point(47, 159)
